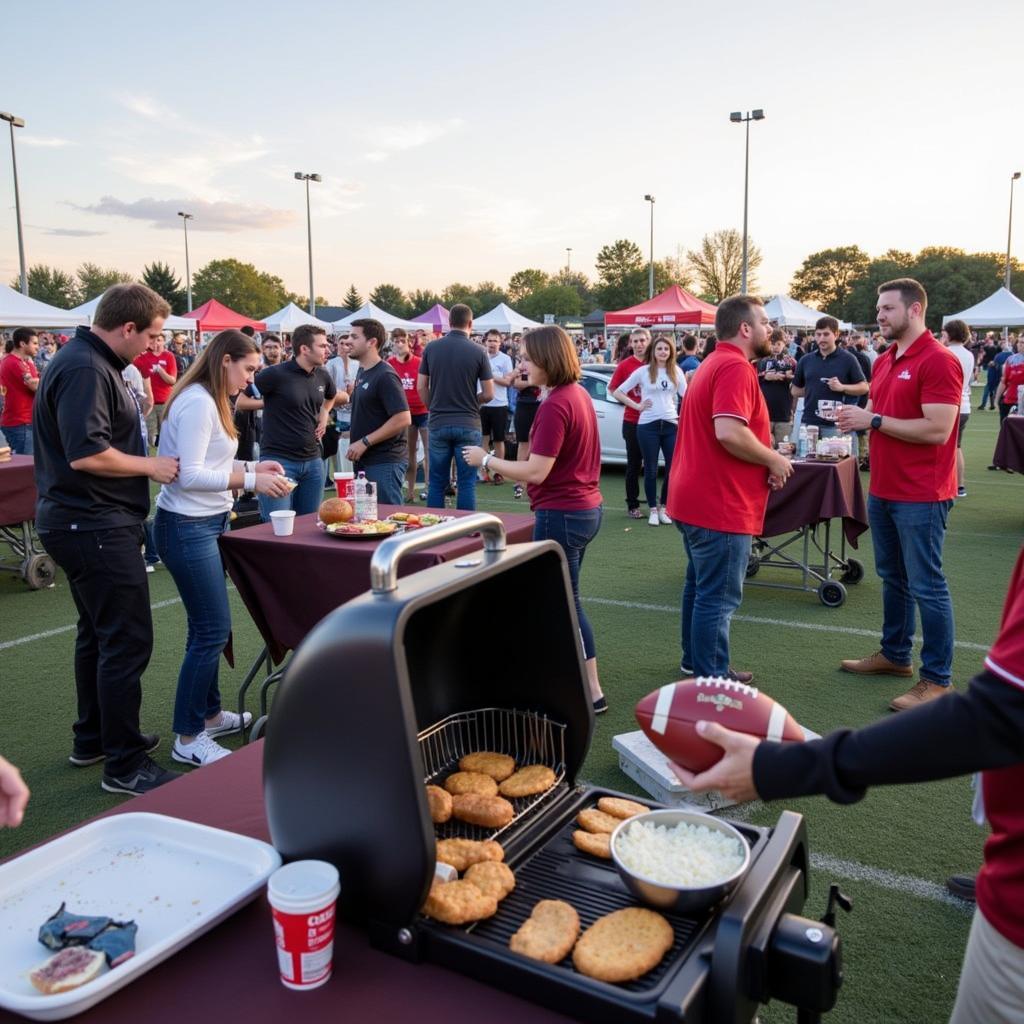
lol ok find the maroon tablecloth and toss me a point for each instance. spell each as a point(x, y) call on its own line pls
point(815, 492)
point(290, 583)
point(1009, 453)
point(17, 490)
point(231, 974)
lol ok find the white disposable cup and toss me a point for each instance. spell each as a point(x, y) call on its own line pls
point(302, 898)
point(283, 522)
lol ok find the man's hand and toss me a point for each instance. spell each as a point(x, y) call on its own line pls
point(835, 384)
point(356, 450)
point(853, 417)
point(779, 468)
point(733, 776)
point(163, 469)
point(14, 795)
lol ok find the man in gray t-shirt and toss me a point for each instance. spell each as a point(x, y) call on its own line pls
point(450, 370)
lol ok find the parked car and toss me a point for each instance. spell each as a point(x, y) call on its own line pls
point(596, 377)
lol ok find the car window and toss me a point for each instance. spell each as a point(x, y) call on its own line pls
point(596, 388)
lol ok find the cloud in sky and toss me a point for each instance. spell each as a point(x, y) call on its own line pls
point(48, 141)
point(400, 137)
point(229, 217)
point(72, 232)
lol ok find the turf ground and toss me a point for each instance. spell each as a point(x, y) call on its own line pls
point(904, 941)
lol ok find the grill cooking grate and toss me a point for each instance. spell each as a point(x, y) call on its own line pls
point(527, 737)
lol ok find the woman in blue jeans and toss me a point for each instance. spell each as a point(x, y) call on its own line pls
point(661, 384)
point(564, 467)
point(199, 429)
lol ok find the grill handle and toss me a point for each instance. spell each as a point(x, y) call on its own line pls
point(384, 564)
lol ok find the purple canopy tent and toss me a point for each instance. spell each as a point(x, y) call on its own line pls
point(436, 317)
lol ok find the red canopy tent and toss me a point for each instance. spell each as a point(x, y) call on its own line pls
point(673, 306)
point(215, 316)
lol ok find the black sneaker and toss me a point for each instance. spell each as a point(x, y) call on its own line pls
point(600, 705)
point(147, 777)
point(962, 886)
point(82, 760)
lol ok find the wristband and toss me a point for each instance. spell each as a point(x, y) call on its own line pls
point(366, 441)
point(486, 459)
point(249, 482)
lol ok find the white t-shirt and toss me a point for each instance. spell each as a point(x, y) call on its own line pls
point(661, 392)
point(966, 358)
point(501, 366)
point(343, 381)
point(206, 456)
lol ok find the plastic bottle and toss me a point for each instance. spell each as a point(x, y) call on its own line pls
point(366, 499)
point(801, 448)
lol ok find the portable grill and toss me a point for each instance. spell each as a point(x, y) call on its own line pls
point(392, 688)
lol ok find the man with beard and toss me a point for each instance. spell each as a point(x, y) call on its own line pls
point(912, 412)
point(722, 470)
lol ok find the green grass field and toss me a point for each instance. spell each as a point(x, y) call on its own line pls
point(892, 852)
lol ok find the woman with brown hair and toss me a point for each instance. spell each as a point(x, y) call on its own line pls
point(564, 466)
point(192, 512)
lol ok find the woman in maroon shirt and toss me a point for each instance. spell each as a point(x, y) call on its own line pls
point(564, 466)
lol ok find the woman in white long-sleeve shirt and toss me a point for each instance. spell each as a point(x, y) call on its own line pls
point(199, 429)
point(661, 384)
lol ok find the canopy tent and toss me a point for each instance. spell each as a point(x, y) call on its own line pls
point(503, 318)
point(215, 316)
point(673, 306)
point(368, 311)
point(1001, 309)
point(788, 312)
point(172, 323)
point(17, 310)
point(286, 319)
point(436, 317)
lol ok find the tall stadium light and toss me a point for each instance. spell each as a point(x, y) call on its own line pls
point(17, 122)
point(1009, 230)
point(737, 118)
point(307, 178)
point(568, 259)
point(185, 218)
point(650, 270)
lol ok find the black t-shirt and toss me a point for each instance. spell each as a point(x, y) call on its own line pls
point(83, 407)
point(865, 368)
point(776, 393)
point(376, 397)
point(291, 408)
point(811, 373)
point(454, 364)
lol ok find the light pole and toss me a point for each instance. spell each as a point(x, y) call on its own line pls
point(1009, 230)
point(650, 271)
point(568, 259)
point(737, 117)
point(17, 122)
point(185, 218)
point(307, 178)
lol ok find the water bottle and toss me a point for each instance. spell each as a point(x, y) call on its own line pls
point(801, 448)
point(366, 499)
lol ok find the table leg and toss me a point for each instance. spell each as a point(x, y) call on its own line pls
point(250, 676)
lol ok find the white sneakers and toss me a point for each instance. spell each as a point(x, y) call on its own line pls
point(664, 517)
point(201, 751)
point(652, 519)
point(659, 517)
point(229, 723)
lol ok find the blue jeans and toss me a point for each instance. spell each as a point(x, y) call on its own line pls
point(572, 531)
point(715, 570)
point(306, 498)
point(658, 435)
point(388, 476)
point(988, 394)
point(20, 439)
point(446, 443)
point(188, 547)
point(908, 538)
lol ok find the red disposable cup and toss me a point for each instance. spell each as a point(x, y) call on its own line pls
point(302, 899)
point(345, 484)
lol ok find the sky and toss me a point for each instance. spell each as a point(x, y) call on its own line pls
point(465, 141)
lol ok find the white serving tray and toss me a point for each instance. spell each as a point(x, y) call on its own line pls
point(173, 878)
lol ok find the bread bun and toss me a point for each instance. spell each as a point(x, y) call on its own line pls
point(336, 510)
point(67, 969)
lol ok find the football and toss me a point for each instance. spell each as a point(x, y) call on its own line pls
point(669, 715)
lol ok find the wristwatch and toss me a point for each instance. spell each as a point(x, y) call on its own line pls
point(366, 441)
point(876, 422)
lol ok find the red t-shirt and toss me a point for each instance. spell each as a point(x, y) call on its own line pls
point(146, 362)
point(622, 371)
point(707, 485)
point(1001, 882)
point(565, 429)
point(1013, 378)
point(407, 372)
point(927, 374)
point(17, 396)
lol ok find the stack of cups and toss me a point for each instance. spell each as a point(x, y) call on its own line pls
point(302, 896)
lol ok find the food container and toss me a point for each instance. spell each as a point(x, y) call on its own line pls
point(302, 897)
point(681, 898)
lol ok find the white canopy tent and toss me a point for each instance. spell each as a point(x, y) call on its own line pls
point(285, 320)
point(88, 310)
point(17, 310)
point(1001, 309)
point(368, 311)
point(788, 312)
point(503, 318)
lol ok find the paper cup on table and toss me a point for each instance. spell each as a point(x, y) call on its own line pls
point(302, 899)
point(283, 522)
point(345, 485)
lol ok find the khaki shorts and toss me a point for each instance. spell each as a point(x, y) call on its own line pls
point(992, 980)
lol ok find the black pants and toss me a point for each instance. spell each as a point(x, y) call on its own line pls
point(107, 576)
point(634, 464)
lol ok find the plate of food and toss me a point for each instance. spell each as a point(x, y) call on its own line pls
point(374, 529)
point(417, 520)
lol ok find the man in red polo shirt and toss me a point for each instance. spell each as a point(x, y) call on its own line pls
point(722, 470)
point(19, 380)
point(639, 339)
point(912, 412)
point(161, 369)
point(407, 365)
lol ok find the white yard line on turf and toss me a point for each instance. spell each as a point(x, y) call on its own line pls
point(761, 620)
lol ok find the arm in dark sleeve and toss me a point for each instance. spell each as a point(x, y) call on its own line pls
point(82, 409)
point(955, 735)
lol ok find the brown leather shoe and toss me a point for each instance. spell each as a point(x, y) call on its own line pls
point(920, 693)
point(876, 664)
